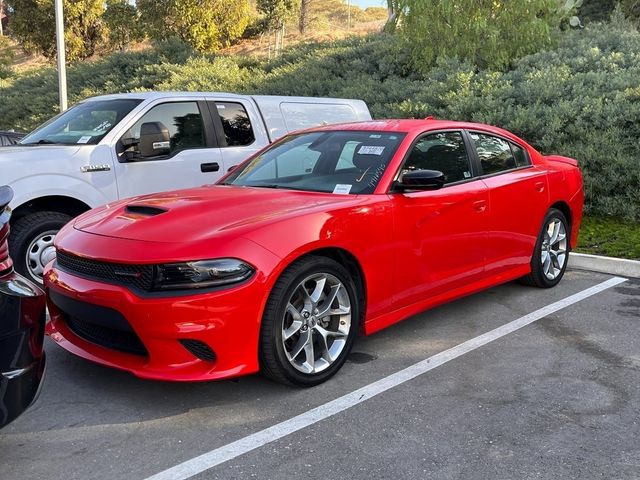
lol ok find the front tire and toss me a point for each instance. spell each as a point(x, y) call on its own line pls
point(31, 242)
point(310, 322)
point(551, 253)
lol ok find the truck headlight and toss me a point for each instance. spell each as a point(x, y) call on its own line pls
point(201, 274)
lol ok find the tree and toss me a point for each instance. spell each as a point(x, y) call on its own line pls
point(303, 19)
point(33, 25)
point(123, 23)
point(206, 25)
point(276, 11)
point(487, 33)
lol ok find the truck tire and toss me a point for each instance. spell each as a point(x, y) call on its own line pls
point(31, 242)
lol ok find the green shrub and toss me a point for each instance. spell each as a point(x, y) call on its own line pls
point(581, 99)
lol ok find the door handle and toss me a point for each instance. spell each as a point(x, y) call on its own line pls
point(209, 167)
point(540, 187)
point(480, 206)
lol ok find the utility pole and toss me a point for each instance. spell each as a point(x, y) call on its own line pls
point(1, 12)
point(348, 14)
point(62, 67)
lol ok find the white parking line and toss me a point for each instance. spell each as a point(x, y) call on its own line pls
point(232, 450)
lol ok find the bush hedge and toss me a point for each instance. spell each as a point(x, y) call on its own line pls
point(581, 99)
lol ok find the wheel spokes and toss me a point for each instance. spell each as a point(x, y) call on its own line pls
point(316, 323)
point(554, 249)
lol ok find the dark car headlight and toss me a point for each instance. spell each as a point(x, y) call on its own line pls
point(201, 274)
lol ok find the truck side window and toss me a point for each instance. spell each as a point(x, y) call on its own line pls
point(182, 119)
point(235, 123)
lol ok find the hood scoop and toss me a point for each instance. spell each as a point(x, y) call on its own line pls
point(144, 210)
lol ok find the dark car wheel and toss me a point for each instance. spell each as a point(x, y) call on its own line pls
point(551, 253)
point(310, 322)
point(31, 242)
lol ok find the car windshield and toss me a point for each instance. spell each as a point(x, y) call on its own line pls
point(83, 124)
point(347, 162)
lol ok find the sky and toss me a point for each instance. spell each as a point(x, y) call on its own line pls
point(369, 3)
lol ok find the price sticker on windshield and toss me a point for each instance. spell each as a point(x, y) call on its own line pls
point(342, 189)
point(84, 139)
point(370, 150)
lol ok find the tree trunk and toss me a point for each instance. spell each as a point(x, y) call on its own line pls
point(303, 21)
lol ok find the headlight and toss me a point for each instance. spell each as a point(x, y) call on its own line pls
point(201, 274)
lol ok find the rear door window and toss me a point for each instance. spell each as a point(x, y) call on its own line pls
point(235, 124)
point(521, 156)
point(494, 153)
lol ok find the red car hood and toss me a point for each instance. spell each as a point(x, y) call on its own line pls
point(201, 213)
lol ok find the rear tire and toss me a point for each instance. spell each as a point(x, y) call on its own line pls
point(310, 322)
point(551, 252)
point(31, 242)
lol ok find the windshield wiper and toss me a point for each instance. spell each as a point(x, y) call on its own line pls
point(42, 141)
point(272, 185)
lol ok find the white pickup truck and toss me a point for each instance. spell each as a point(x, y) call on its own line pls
point(118, 146)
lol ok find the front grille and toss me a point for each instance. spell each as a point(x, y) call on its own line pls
point(97, 324)
point(136, 276)
point(199, 349)
point(127, 342)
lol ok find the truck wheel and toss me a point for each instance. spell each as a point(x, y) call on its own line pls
point(31, 242)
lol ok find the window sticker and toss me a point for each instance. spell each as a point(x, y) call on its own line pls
point(375, 136)
point(467, 174)
point(371, 150)
point(342, 189)
point(84, 139)
point(220, 107)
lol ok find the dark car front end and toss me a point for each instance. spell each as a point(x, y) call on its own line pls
point(22, 321)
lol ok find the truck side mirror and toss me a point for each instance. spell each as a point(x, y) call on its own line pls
point(154, 139)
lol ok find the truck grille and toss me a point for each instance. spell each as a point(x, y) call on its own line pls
point(139, 277)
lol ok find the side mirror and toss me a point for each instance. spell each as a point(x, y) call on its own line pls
point(421, 180)
point(154, 139)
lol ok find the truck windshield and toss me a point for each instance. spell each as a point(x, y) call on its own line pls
point(83, 124)
point(346, 162)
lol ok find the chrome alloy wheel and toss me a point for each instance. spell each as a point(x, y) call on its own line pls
point(40, 252)
point(554, 249)
point(316, 323)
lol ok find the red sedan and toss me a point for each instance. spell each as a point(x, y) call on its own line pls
point(325, 233)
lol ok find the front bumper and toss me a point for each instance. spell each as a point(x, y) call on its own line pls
point(22, 358)
point(154, 337)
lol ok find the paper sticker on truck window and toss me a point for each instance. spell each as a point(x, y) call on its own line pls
point(84, 139)
point(370, 150)
point(342, 189)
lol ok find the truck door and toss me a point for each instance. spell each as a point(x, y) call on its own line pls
point(184, 153)
point(239, 129)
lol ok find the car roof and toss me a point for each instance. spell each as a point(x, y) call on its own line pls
point(414, 126)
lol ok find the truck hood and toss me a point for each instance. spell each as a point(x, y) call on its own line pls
point(17, 153)
point(204, 213)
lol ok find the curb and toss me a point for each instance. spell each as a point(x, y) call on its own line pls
point(597, 263)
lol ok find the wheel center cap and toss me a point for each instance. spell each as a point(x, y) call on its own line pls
point(48, 255)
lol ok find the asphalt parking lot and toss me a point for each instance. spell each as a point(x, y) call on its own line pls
point(558, 398)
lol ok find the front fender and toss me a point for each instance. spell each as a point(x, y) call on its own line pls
point(34, 187)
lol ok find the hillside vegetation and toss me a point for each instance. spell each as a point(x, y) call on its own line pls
point(581, 99)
